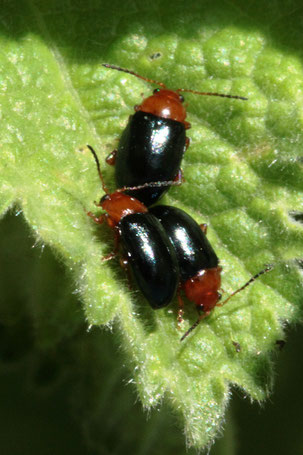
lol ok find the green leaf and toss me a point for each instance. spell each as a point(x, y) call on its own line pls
point(243, 174)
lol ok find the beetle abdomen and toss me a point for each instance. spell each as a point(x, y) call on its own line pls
point(150, 150)
point(193, 250)
point(151, 257)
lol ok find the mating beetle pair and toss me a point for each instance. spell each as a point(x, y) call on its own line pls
point(166, 250)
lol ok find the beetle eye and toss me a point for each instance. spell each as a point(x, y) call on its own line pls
point(181, 98)
point(157, 90)
point(104, 198)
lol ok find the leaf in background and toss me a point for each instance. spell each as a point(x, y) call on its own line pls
point(243, 174)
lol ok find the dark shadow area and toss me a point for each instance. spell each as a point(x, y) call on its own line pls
point(64, 389)
point(297, 216)
point(275, 426)
point(87, 30)
point(33, 387)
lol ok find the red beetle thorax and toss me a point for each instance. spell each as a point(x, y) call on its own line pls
point(118, 205)
point(203, 288)
point(166, 104)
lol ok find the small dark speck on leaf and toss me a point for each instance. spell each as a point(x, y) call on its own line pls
point(237, 346)
point(155, 55)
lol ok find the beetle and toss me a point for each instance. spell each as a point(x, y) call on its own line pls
point(166, 250)
point(154, 141)
point(145, 245)
point(199, 269)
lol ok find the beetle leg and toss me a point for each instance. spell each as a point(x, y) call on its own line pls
point(125, 266)
point(114, 253)
point(109, 256)
point(179, 179)
point(203, 227)
point(111, 158)
point(97, 219)
point(187, 142)
point(180, 310)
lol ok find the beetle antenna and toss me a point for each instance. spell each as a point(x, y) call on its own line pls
point(222, 95)
point(195, 324)
point(151, 81)
point(105, 189)
point(268, 268)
